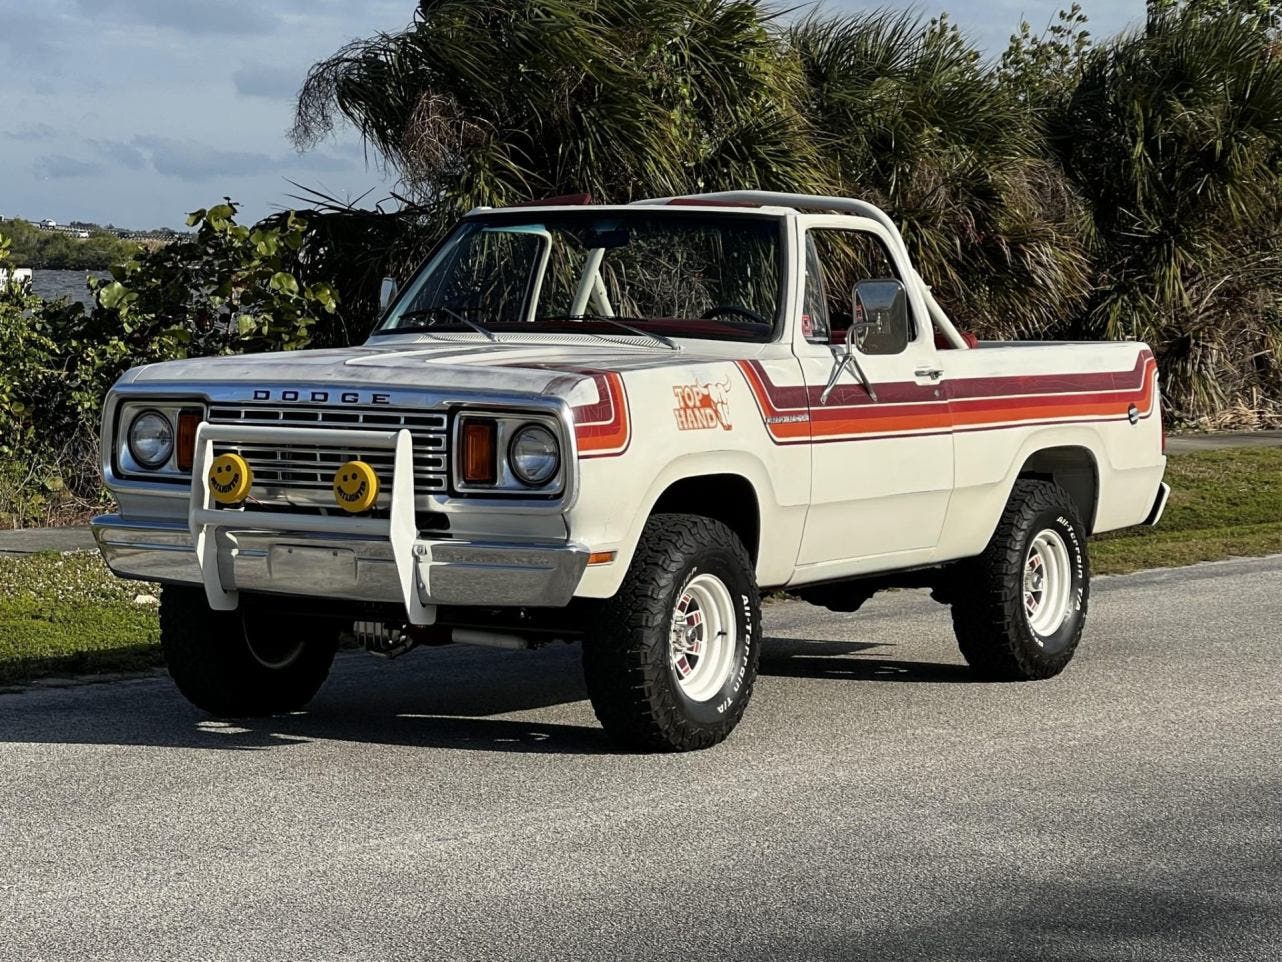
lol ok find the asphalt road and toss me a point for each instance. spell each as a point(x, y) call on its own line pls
point(875, 804)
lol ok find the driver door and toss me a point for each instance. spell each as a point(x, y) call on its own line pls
point(882, 458)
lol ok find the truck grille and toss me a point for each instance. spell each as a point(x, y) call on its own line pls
point(303, 474)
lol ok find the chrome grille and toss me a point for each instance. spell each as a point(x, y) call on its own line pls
point(303, 474)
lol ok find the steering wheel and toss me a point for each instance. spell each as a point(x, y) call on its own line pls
point(738, 309)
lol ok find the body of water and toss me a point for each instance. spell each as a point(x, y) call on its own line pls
point(52, 285)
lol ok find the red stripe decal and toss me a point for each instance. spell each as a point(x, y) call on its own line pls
point(604, 429)
point(793, 414)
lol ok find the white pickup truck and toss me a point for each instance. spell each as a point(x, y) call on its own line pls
point(618, 425)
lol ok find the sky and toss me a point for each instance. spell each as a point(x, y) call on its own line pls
point(134, 112)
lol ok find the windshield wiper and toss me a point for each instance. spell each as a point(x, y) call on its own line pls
point(667, 342)
point(431, 312)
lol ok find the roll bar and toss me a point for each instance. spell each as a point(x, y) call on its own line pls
point(847, 205)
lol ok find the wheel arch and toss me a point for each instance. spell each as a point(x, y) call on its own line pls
point(1075, 469)
point(733, 487)
point(726, 497)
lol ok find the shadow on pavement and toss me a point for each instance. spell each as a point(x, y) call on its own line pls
point(1090, 920)
point(804, 658)
point(432, 699)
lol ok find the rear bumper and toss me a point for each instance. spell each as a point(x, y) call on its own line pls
point(326, 565)
point(1159, 505)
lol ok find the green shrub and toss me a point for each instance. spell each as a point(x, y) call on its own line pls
point(225, 289)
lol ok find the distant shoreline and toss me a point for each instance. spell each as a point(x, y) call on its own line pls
point(64, 250)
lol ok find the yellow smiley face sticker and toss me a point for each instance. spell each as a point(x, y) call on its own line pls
point(356, 487)
point(230, 479)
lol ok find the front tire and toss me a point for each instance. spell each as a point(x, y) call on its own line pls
point(242, 664)
point(671, 659)
point(1020, 607)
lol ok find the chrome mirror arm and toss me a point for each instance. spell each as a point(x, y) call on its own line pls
point(848, 358)
point(839, 365)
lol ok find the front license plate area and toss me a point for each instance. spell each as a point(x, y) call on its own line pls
point(310, 570)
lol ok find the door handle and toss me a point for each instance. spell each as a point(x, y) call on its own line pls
point(934, 373)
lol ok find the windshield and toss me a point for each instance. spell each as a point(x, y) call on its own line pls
point(655, 274)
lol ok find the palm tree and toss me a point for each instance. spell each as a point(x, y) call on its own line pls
point(913, 119)
point(507, 100)
point(488, 104)
point(1133, 193)
point(1174, 136)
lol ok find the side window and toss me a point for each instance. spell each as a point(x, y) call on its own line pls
point(814, 308)
point(852, 257)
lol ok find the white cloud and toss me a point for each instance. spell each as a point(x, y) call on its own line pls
point(62, 167)
point(125, 155)
point(267, 80)
point(194, 161)
point(195, 17)
point(31, 132)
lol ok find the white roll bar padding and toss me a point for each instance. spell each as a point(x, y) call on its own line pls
point(848, 205)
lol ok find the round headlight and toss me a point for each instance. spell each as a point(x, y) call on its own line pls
point(534, 455)
point(151, 440)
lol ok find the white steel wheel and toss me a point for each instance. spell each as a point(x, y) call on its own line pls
point(1020, 607)
point(273, 650)
point(1048, 583)
point(671, 659)
point(701, 649)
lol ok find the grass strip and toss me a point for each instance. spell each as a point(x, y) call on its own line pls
point(68, 615)
point(1224, 504)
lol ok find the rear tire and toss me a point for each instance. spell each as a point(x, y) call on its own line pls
point(246, 663)
point(671, 659)
point(1020, 607)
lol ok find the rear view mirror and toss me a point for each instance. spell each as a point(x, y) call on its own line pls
point(386, 293)
point(608, 239)
point(880, 317)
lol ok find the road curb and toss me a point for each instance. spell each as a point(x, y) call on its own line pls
point(19, 542)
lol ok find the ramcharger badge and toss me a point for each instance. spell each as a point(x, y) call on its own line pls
point(702, 406)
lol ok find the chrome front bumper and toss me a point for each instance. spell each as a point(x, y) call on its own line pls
point(326, 565)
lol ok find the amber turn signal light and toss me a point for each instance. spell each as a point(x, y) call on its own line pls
point(479, 458)
point(188, 421)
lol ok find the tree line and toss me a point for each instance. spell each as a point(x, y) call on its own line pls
point(53, 250)
point(1074, 187)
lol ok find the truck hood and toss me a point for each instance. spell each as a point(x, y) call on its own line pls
point(545, 364)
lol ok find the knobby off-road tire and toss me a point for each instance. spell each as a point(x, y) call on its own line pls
point(1020, 607)
point(242, 664)
point(671, 659)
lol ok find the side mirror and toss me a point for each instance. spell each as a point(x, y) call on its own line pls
point(387, 293)
point(879, 317)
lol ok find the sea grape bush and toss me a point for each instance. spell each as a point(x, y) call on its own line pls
point(226, 288)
